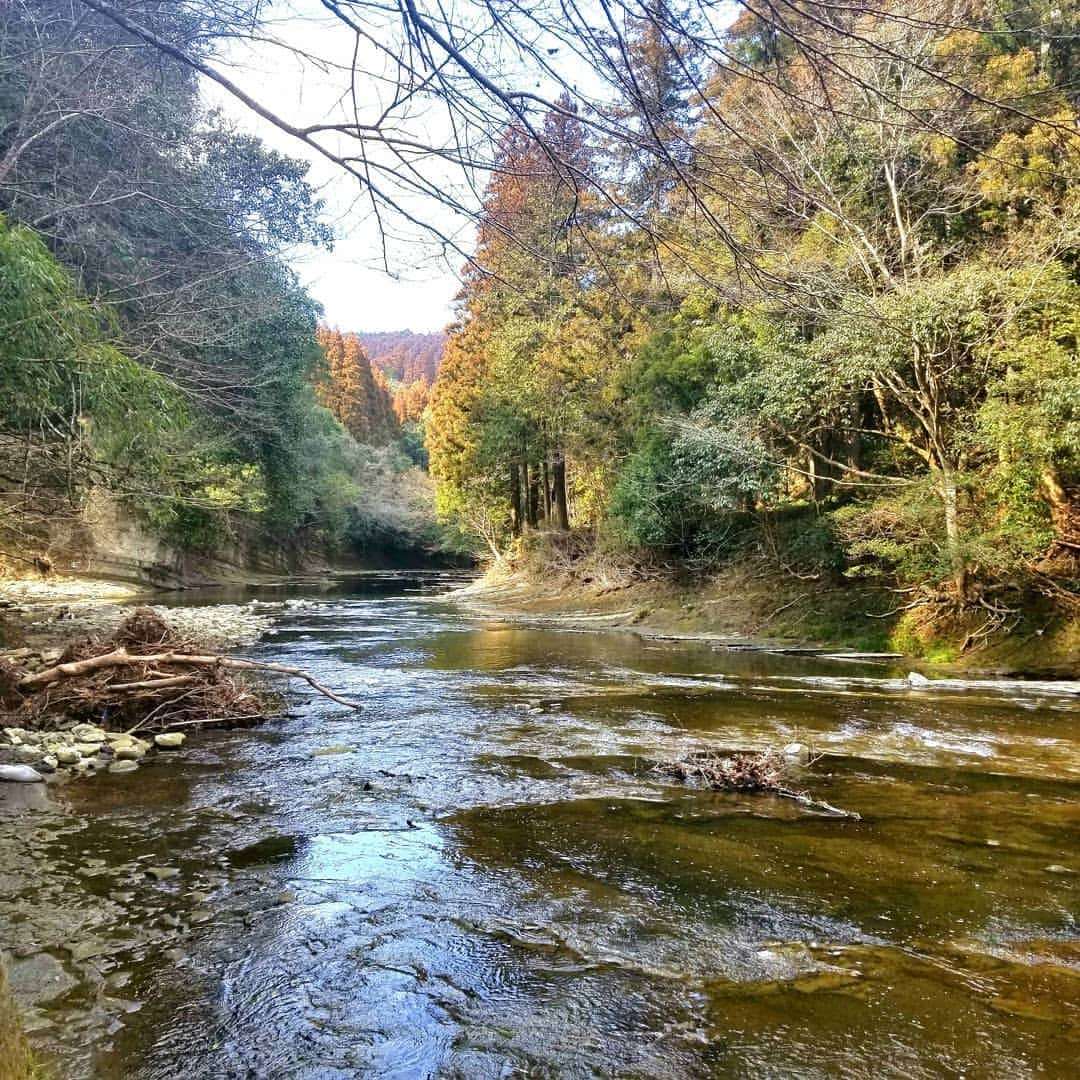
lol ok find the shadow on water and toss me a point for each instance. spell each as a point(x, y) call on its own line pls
point(487, 878)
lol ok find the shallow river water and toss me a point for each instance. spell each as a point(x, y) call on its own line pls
point(488, 879)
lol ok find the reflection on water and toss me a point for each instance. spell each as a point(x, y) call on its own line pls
point(493, 882)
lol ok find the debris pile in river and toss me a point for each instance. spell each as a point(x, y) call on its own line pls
point(762, 771)
point(143, 677)
point(765, 771)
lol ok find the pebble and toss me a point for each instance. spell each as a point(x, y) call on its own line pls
point(19, 774)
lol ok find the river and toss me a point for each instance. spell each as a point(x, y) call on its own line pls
point(487, 878)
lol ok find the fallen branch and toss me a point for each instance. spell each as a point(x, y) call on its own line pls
point(817, 804)
point(122, 658)
point(156, 684)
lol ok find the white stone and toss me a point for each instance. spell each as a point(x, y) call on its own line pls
point(797, 752)
point(19, 774)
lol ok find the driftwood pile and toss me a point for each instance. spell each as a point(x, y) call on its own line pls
point(143, 677)
point(764, 771)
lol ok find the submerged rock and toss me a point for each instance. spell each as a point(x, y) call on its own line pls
point(327, 751)
point(170, 740)
point(915, 679)
point(19, 774)
point(39, 978)
point(275, 848)
point(84, 950)
point(162, 873)
point(122, 766)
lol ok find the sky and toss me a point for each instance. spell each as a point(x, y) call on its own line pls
point(300, 66)
point(351, 281)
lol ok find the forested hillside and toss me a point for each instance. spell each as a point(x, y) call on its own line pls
point(404, 356)
point(853, 351)
point(156, 346)
point(411, 363)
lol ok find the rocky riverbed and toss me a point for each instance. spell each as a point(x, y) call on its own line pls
point(62, 751)
point(483, 873)
point(38, 632)
point(28, 756)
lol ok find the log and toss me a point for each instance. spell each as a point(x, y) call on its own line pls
point(122, 658)
point(162, 683)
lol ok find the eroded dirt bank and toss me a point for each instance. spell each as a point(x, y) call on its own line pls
point(745, 609)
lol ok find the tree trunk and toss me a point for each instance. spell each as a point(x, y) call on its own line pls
point(558, 479)
point(533, 472)
point(546, 481)
point(515, 497)
point(952, 532)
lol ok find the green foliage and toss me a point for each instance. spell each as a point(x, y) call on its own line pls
point(647, 510)
point(894, 399)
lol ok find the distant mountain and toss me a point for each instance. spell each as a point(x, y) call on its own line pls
point(404, 356)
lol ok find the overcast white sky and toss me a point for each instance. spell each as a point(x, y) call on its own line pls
point(350, 281)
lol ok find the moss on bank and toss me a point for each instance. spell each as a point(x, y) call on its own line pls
point(16, 1061)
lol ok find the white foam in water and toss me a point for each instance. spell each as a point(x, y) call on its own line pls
point(1010, 688)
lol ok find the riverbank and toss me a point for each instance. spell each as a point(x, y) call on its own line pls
point(745, 607)
point(16, 1061)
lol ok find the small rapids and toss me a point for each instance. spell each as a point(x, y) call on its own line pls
point(482, 874)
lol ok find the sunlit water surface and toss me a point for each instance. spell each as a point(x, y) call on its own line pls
point(493, 882)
